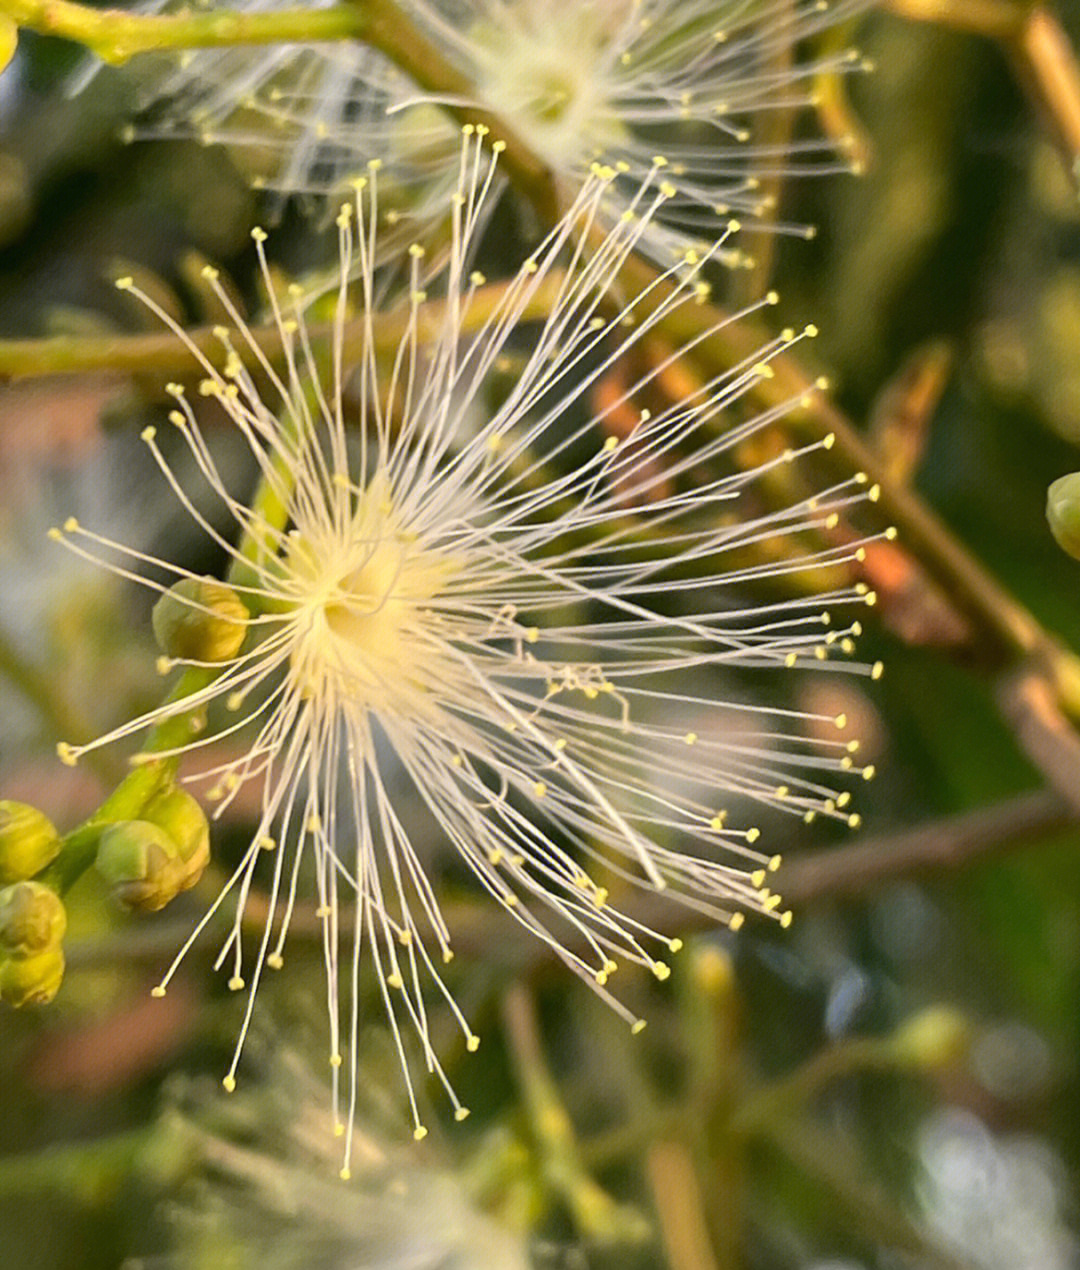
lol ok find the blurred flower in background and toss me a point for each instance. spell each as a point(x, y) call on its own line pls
point(713, 88)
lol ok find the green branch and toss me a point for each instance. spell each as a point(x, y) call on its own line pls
point(116, 35)
point(163, 354)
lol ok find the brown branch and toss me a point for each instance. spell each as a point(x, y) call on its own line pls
point(928, 851)
point(931, 851)
point(1044, 733)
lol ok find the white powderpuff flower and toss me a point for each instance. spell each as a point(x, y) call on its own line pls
point(260, 1179)
point(496, 613)
point(624, 81)
point(620, 81)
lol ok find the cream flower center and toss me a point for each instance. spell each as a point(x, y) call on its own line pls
point(547, 76)
point(364, 626)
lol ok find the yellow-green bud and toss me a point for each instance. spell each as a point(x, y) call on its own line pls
point(28, 841)
point(141, 863)
point(1063, 512)
point(185, 822)
point(31, 980)
point(32, 919)
point(200, 619)
point(931, 1039)
point(9, 40)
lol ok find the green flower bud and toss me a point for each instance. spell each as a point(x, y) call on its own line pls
point(31, 980)
point(141, 863)
point(32, 919)
point(1063, 512)
point(200, 619)
point(185, 822)
point(9, 40)
point(931, 1039)
point(28, 841)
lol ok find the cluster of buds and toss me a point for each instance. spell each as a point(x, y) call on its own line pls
point(148, 862)
point(32, 914)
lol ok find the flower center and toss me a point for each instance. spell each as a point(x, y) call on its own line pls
point(364, 626)
point(548, 77)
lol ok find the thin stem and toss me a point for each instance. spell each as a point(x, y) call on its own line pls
point(595, 1213)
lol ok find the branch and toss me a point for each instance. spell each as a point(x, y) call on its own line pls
point(116, 35)
point(1044, 59)
point(941, 847)
point(164, 354)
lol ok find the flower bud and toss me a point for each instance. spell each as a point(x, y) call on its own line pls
point(185, 822)
point(9, 40)
point(32, 919)
point(931, 1039)
point(200, 619)
point(28, 841)
point(31, 980)
point(141, 863)
point(1063, 512)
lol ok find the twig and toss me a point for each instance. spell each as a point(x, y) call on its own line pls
point(1045, 61)
point(680, 1207)
point(1044, 733)
point(165, 355)
point(840, 873)
point(932, 850)
point(595, 1212)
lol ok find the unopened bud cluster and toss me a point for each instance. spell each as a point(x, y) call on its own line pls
point(28, 841)
point(32, 914)
point(148, 862)
point(32, 925)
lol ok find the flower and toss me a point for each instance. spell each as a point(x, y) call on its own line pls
point(511, 607)
point(578, 80)
point(624, 80)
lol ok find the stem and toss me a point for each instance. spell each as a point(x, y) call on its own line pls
point(129, 799)
point(773, 1105)
point(116, 35)
point(680, 1206)
point(164, 354)
point(595, 1212)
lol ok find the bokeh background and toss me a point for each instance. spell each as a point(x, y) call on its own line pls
point(893, 1082)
